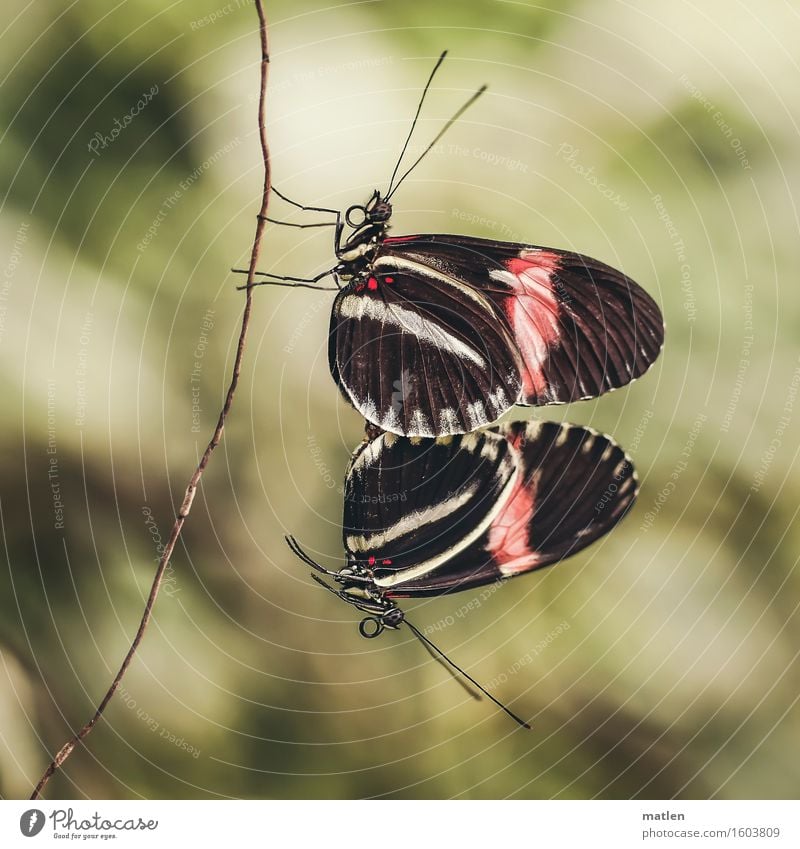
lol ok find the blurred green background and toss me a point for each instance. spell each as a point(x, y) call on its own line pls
point(661, 138)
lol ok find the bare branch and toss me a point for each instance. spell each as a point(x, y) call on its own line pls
point(188, 498)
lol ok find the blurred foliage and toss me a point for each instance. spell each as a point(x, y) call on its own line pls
point(678, 673)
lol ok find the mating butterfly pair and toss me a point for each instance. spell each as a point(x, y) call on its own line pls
point(437, 336)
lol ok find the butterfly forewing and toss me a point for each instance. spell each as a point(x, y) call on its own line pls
point(571, 486)
point(579, 327)
point(609, 331)
point(580, 484)
point(422, 357)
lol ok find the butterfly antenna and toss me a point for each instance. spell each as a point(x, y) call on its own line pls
point(474, 693)
point(428, 644)
point(414, 122)
point(441, 132)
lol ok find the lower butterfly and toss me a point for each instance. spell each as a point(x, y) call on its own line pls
point(435, 335)
point(431, 517)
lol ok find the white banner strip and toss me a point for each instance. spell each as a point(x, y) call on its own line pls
point(415, 825)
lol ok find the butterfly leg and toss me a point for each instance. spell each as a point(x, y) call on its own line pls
point(349, 575)
point(303, 206)
point(338, 223)
point(294, 547)
point(296, 282)
point(299, 226)
point(361, 603)
point(327, 587)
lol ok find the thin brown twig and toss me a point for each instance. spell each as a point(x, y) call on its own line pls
point(188, 498)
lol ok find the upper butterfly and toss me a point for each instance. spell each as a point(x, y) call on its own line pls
point(435, 335)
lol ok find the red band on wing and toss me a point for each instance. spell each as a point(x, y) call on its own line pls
point(533, 313)
point(508, 534)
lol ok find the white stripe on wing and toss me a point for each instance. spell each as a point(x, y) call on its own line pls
point(409, 321)
point(411, 521)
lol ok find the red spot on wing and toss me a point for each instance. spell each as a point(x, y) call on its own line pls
point(372, 283)
point(386, 562)
point(531, 262)
point(388, 279)
point(508, 533)
point(371, 560)
point(533, 314)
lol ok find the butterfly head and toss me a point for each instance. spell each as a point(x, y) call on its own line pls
point(376, 211)
point(373, 626)
point(379, 211)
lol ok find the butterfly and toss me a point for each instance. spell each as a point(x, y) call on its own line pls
point(462, 329)
point(435, 335)
point(425, 517)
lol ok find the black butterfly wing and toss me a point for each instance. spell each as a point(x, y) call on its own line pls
point(580, 326)
point(422, 358)
point(411, 504)
point(573, 486)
